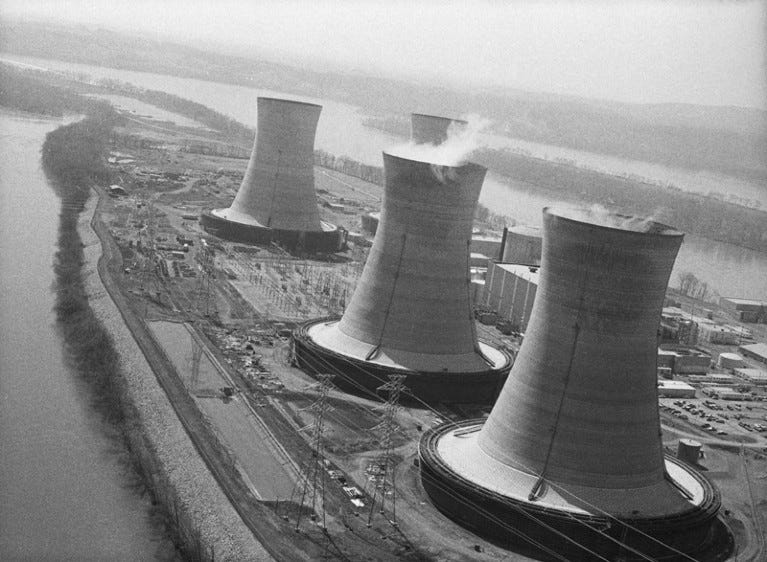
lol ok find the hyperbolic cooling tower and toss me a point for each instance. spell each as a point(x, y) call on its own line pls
point(277, 200)
point(411, 311)
point(431, 129)
point(573, 443)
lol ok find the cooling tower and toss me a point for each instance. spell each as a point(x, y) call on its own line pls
point(431, 129)
point(411, 311)
point(522, 245)
point(276, 200)
point(571, 453)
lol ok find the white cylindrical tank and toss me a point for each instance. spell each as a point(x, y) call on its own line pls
point(688, 450)
point(729, 361)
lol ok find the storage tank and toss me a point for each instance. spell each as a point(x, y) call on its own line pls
point(432, 129)
point(572, 450)
point(276, 200)
point(412, 310)
point(522, 244)
point(688, 450)
point(729, 361)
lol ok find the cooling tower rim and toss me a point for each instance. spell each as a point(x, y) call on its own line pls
point(439, 117)
point(431, 459)
point(283, 100)
point(663, 230)
point(246, 220)
point(526, 230)
point(312, 328)
point(412, 162)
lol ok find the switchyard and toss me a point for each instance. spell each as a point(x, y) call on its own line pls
point(343, 473)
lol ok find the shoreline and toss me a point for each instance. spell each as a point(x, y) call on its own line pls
point(204, 521)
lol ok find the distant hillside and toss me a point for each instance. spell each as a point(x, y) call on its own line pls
point(728, 140)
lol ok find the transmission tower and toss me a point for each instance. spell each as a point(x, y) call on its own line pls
point(194, 378)
point(144, 215)
point(203, 288)
point(385, 478)
point(315, 469)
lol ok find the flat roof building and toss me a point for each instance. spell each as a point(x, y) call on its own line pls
point(675, 389)
point(756, 351)
point(510, 291)
point(753, 376)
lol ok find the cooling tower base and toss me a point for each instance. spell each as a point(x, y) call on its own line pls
point(575, 527)
point(330, 239)
point(356, 375)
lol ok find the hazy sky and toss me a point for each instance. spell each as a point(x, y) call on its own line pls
point(705, 52)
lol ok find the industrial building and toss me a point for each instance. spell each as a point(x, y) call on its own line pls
point(745, 310)
point(276, 201)
point(571, 454)
point(757, 351)
point(510, 292)
point(522, 245)
point(684, 360)
point(713, 378)
point(753, 376)
point(411, 311)
point(675, 389)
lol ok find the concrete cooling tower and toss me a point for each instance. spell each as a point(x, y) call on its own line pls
point(411, 312)
point(276, 201)
point(521, 245)
point(431, 129)
point(571, 456)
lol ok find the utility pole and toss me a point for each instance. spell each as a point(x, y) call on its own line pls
point(385, 464)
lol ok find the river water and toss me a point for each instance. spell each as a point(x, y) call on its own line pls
point(729, 270)
point(66, 492)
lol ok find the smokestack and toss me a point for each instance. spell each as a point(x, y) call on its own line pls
point(575, 431)
point(412, 309)
point(276, 200)
point(431, 129)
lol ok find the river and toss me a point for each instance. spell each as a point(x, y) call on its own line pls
point(66, 492)
point(728, 269)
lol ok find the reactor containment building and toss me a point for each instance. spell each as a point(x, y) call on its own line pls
point(571, 458)
point(276, 201)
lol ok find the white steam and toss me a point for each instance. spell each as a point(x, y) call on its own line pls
point(463, 139)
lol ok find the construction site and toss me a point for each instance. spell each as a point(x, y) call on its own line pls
point(349, 397)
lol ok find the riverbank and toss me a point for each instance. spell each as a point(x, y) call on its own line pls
point(205, 522)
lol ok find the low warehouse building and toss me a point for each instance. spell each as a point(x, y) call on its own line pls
point(753, 376)
point(689, 360)
point(675, 389)
point(756, 351)
point(745, 310)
